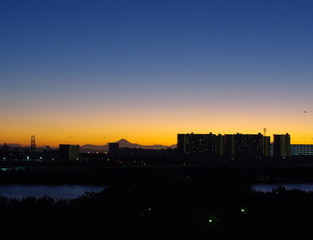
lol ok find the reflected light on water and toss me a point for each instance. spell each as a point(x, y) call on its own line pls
point(20, 191)
point(306, 187)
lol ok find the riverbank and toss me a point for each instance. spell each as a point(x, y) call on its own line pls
point(161, 202)
point(159, 210)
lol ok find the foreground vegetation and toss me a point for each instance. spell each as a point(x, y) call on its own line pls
point(180, 208)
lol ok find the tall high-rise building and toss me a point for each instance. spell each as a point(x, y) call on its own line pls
point(266, 146)
point(113, 149)
point(249, 146)
point(246, 146)
point(219, 146)
point(281, 146)
point(205, 144)
point(69, 152)
point(229, 146)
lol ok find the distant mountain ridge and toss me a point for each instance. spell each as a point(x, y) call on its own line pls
point(11, 144)
point(122, 143)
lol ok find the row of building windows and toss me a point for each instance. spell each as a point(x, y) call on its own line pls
point(240, 146)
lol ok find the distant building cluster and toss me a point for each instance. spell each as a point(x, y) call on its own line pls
point(69, 152)
point(190, 146)
point(234, 146)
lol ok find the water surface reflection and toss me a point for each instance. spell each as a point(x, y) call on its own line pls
point(69, 191)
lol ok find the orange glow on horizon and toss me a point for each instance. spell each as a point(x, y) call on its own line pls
point(147, 126)
point(53, 139)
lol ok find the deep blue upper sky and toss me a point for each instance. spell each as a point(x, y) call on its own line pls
point(185, 55)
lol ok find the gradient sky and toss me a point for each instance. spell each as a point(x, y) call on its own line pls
point(96, 71)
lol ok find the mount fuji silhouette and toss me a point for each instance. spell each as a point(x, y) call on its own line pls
point(123, 143)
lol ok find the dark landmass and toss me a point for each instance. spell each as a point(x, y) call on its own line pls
point(123, 143)
point(161, 202)
point(95, 173)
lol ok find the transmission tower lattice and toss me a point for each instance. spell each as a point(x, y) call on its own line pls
point(32, 144)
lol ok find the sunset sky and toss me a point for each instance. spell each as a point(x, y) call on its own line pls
point(96, 71)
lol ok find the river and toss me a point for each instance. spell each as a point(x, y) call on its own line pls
point(306, 187)
point(20, 191)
